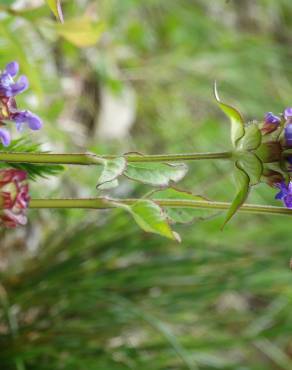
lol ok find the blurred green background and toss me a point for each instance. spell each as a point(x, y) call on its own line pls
point(89, 290)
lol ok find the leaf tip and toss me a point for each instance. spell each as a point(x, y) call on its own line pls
point(176, 236)
point(215, 90)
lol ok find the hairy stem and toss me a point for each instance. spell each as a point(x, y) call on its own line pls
point(104, 203)
point(92, 159)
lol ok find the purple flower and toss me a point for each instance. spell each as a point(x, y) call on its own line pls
point(8, 87)
point(5, 137)
point(271, 123)
point(8, 107)
point(288, 134)
point(12, 68)
point(272, 119)
point(288, 114)
point(285, 193)
point(26, 117)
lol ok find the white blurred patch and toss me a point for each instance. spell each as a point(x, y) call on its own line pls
point(232, 301)
point(117, 114)
point(20, 4)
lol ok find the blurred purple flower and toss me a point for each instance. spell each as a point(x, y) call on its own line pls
point(285, 193)
point(12, 68)
point(271, 123)
point(8, 107)
point(8, 87)
point(288, 114)
point(271, 118)
point(5, 137)
point(288, 134)
point(26, 117)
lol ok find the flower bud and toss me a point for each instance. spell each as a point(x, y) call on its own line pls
point(14, 197)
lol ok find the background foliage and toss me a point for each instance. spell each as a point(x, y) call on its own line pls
point(88, 290)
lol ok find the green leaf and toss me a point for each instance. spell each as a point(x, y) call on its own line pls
point(156, 174)
point(55, 6)
point(33, 170)
point(252, 138)
point(151, 218)
point(242, 182)
point(113, 168)
point(237, 123)
point(251, 165)
point(81, 32)
point(183, 214)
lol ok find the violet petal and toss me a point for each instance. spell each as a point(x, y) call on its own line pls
point(12, 68)
point(5, 137)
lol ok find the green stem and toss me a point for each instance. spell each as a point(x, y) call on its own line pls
point(103, 203)
point(177, 157)
point(82, 159)
point(92, 159)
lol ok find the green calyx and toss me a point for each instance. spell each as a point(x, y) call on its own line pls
point(270, 152)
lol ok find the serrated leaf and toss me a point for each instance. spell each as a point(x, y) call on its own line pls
point(112, 169)
point(156, 174)
point(151, 218)
point(251, 139)
point(242, 182)
point(55, 6)
point(237, 123)
point(81, 32)
point(251, 165)
point(183, 214)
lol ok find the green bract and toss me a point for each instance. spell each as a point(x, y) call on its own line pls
point(252, 138)
point(55, 6)
point(237, 123)
point(242, 183)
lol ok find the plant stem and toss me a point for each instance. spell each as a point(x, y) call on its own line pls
point(104, 203)
point(82, 159)
point(92, 159)
point(177, 157)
